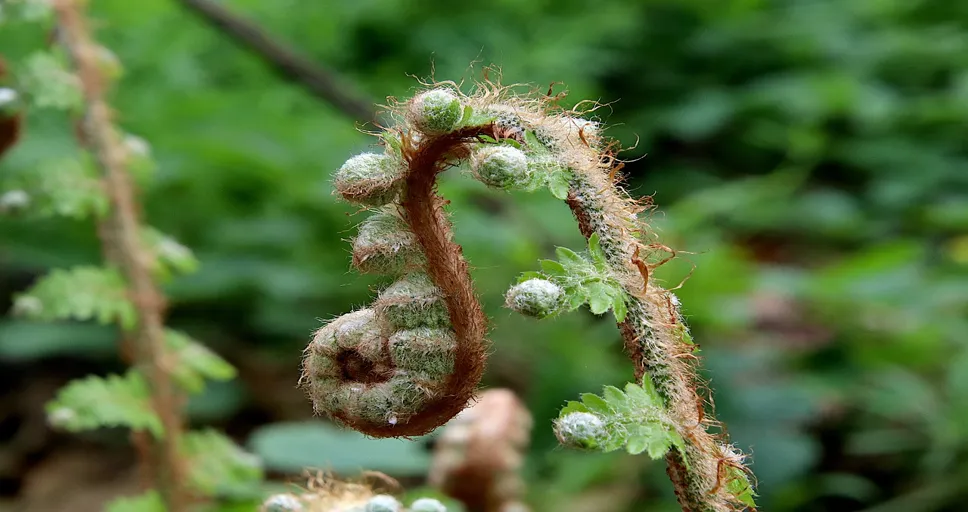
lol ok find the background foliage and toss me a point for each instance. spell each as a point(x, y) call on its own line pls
point(809, 154)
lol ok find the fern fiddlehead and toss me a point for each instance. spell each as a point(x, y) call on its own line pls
point(413, 361)
point(514, 143)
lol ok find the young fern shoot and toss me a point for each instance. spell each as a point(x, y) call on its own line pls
point(403, 367)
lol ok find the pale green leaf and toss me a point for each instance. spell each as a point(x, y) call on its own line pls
point(466, 115)
point(594, 403)
point(739, 486)
point(619, 307)
point(595, 249)
point(193, 362)
point(637, 445)
point(552, 268)
point(50, 83)
point(616, 398)
point(569, 258)
point(598, 299)
point(169, 256)
point(658, 446)
point(633, 419)
point(111, 401)
point(558, 185)
point(80, 293)
point(573, 406)
point(575, 297)
point(65, 187)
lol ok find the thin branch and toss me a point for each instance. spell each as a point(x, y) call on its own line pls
point(122, 239)
point(286, 60)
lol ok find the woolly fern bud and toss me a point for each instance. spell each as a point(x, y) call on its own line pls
point(282, 503)
point(383, 503)
point(426, 352)
point(349, 347)
point(412, 302)
point(535, 297)
point(369, 179)
point(385, 245)
point(502, 167)
point(354, 373)
point(436, 112)
point(580, 430)
point(427, 505)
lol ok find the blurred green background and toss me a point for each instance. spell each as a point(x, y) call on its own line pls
point(811, 155)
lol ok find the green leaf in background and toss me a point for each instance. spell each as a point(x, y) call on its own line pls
point(292, 447)
point(193, 362)
point(147, 502)
point(112, 401)
point(219, 467)
point(170, 257)
point(80, 293)
point(66, 186)
point(50, 83)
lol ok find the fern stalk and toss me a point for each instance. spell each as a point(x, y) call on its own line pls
point(123, 246)
point(514, 142)
point(653, 334)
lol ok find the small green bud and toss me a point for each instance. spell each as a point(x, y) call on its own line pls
point(412, 302)
point(427, 505)
point(282, 503)
point(369, 179)
point(580, 430)
point(437, 111)
point(502, 167)
point(385, 244)
point(535, 297)
point(383, 503)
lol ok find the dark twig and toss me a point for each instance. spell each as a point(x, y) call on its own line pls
point(286, 60)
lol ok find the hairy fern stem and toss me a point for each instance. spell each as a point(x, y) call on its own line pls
point(123, 245)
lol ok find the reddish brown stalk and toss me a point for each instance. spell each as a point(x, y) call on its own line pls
point(423, 209)
point(121, 235)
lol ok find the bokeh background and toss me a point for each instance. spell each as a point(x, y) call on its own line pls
point(811, 156)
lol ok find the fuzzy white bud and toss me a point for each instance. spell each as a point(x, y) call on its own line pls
point(580, 430)
point(427, 505)
point(282, 503)
point(383, 503)
point(535, 297)
point(437, 111)
point(502, 167)
point(369, 179)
